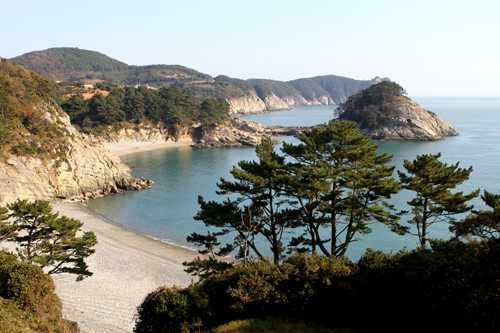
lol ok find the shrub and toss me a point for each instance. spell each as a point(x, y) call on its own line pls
point(31, 289)
point(164, 310)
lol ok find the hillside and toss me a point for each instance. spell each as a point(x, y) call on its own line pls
point(41, 155)
point(384, 112)
point(245, 96)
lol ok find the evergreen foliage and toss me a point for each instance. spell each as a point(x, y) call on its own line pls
point(259, 210)
point(334, 179)
point(484, 223)
point(371, 107)
point(76, 65)
point(341, 183)
point(432, 181)
point(168, 105)
point(335, 87)
point(454, 284)
point(47, 240)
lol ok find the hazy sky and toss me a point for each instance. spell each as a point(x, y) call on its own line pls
point(436, 47)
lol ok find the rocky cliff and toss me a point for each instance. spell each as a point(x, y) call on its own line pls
point(253, 104)
point(298, 100)
point(242, 133)
point(88, 170)
point(409, 121)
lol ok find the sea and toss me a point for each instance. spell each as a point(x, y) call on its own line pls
point(165, 211)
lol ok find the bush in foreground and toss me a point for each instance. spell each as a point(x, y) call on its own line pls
point(27, 298)
point(452, 285)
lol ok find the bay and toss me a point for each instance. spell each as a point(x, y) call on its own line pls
point(166, 210)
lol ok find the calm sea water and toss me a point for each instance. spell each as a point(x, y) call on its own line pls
point(166, 210)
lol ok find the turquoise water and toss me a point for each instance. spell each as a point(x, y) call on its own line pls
point(166, 210)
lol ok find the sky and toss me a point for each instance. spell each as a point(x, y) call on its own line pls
point(431, 48)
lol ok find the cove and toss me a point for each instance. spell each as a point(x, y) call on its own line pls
point(166, 210)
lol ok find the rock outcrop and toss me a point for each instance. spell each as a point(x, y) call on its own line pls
point(136, 134)
point(89, 170)
point(242, 133)
point(409, 121)
point(253, 104)
point(298, 100)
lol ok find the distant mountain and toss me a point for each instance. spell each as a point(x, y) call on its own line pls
point(76, 65)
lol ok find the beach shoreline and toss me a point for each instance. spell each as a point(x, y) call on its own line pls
point(121, 149)
point(126, 265)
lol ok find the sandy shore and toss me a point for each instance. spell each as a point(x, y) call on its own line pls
point(126, 148)
point(127, 267)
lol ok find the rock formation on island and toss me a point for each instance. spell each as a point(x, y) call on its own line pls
point(238, 132)
point(42, 155)
point(383, 112)
point(242, 133)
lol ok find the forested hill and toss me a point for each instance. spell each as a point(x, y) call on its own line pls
point(337, 88)
point(77, 65)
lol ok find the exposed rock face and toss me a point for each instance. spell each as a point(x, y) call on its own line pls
point(253, 104)
point(88, 171)
point(150, 133)
point(274, 103)
point(411, 122)
point(242, 133)
point(247, 105)
point(138, 134)
point(301, 101)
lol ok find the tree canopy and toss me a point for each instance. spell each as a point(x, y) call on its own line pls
point(334, 179)
point(432, 182)
point(48, 240)
point(370, 107)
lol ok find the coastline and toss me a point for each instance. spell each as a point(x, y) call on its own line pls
point(121, 149)
point(126, 267)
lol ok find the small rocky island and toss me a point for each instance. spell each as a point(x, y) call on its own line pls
point(384, 112)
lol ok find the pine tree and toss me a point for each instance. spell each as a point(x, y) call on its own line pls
point(484, 223)
point(49, 240)
point(432, 181)
point(340, 183)
point(260, 210)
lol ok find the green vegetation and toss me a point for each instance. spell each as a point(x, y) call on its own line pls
point(335, 87)
point(371, 107)
point(432, 181)
point(25, 129)
point(28, 302)
point(170, 106)
point(334, 179)
point(340, 183)
point(73, 64)
point(454, 284)
point(45, 239)
point(271, 324)
point(65, 63)
point(484, 224)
